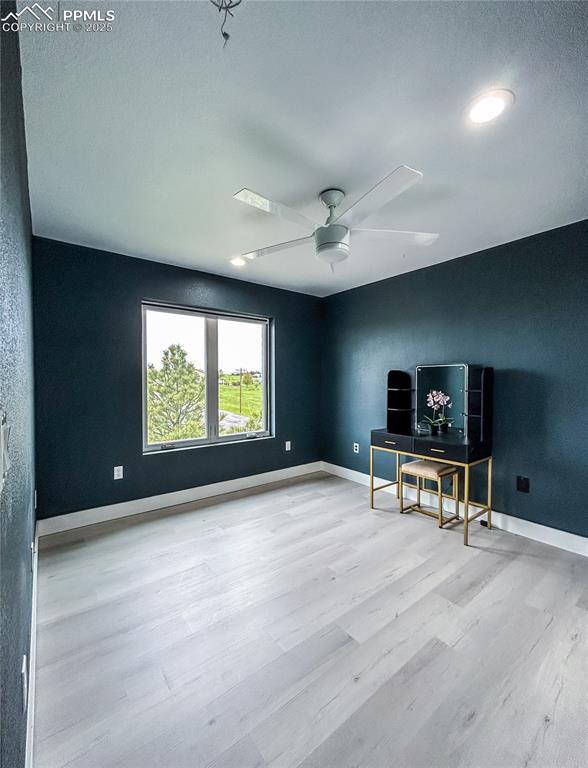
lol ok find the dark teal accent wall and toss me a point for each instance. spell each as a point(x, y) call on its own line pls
point(521, 308)
point(89, 385)
point(16, 396)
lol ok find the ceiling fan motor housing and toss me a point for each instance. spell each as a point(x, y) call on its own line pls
point(332, 243)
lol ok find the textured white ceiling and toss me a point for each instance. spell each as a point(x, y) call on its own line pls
point(138, 138)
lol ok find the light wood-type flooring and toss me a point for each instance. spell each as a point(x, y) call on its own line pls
point(290, 626)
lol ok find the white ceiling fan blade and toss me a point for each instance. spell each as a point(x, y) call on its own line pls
point(276, 248)
point(393, 185)
point(419, 238)
point(270, 206)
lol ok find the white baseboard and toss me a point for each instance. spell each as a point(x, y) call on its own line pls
point(30, 726)
point(568, 541)
point(138, 506)
point(571, 542)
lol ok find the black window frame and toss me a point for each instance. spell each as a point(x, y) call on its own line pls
point(211, 318)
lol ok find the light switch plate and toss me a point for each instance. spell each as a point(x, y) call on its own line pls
point(24, 677)
point(118, 473)
point(4, 456)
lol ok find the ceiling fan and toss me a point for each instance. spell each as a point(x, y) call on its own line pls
point(333, 239)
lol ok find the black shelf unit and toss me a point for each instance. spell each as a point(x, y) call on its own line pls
point(399, 403)
point(478, 403)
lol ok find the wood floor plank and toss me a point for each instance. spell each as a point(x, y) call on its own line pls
point(290, 735)
point(180, 726)
point(373, 613)
point(244, 754)
point(392, 715)
point(502, 713)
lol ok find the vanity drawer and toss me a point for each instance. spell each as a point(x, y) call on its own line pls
point(439, 450)
point(393, 442)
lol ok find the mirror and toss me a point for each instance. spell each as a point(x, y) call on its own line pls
point(440, 397)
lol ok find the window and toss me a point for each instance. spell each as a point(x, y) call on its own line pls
point(205, 377)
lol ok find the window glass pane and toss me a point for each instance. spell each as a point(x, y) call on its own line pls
point(240, 385)
point(176, 376)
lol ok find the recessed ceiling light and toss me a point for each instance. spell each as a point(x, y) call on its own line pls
point(489, 105)
point(238, 261)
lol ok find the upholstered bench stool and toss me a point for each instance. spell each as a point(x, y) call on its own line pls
point(437, 472)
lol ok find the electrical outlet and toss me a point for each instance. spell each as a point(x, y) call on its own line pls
point(118, 473)
point(288, 445)
point(355, 447)
point(523, 484)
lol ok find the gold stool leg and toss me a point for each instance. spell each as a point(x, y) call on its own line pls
point(371, 477)
point(418, 491)
point(400, 493)
point(440, 500)
point(466, 504)
point(455, 489)
point(490, 492)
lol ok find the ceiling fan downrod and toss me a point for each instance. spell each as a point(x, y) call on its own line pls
point(331, 198)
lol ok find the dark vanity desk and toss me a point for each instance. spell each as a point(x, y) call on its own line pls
point(466, 444)
point(445, 449)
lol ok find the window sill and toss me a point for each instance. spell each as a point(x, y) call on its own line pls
point(242, 441)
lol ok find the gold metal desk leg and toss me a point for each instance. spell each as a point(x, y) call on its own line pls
point(490, 492)
point(440, 500)
point(418, 491)
point(397, 475)
point(371, 477)
point(466, 502)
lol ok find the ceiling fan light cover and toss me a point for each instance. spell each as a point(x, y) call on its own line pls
point(333, 252)
point(332, 243)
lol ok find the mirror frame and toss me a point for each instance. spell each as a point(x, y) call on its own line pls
point(465, 382)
